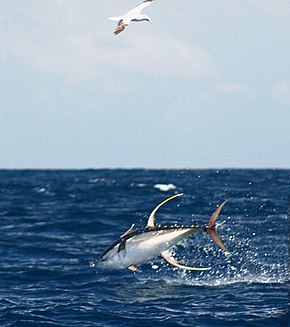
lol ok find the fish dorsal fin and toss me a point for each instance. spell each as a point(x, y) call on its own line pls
point(166, 255)
point(129, 231)
point(151, 219)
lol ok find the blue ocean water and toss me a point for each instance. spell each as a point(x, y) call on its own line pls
point(53, 223)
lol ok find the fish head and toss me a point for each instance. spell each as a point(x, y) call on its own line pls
point(107, 258)
point(107, 262)
point(114, 257)
point(101, 263)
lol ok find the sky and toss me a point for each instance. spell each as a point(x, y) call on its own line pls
point(207, 85)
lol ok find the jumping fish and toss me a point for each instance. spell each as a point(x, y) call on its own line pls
point(135, 247)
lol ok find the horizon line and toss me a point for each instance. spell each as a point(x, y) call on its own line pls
point(146, 168)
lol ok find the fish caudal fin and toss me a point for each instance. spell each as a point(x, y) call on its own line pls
point(166, 255)
point(210, 227)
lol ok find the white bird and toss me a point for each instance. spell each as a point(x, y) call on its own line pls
point(134, 15)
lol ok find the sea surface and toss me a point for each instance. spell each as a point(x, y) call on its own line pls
point(54, 222)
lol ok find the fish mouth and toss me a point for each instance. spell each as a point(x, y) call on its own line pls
point(97, 262)
point(92, 264)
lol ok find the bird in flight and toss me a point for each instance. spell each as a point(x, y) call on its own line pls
point(134, 15)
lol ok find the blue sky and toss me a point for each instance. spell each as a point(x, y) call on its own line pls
point(206, 86)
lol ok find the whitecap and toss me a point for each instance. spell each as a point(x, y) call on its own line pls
point(138, 185)
point(165, 187)
point(40, 189)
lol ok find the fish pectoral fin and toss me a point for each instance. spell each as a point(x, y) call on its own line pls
point(134, 268)
point(122, 246)
point(166, 255)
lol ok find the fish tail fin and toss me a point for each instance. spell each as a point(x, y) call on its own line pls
point(210, 227)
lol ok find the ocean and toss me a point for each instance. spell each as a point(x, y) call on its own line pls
point(53, 223)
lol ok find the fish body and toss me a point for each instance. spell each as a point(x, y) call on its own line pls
point(142, 246)
point(135, 247)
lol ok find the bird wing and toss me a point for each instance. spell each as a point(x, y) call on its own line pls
point(117, 18)
point(120, 28)
point(137, 10)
